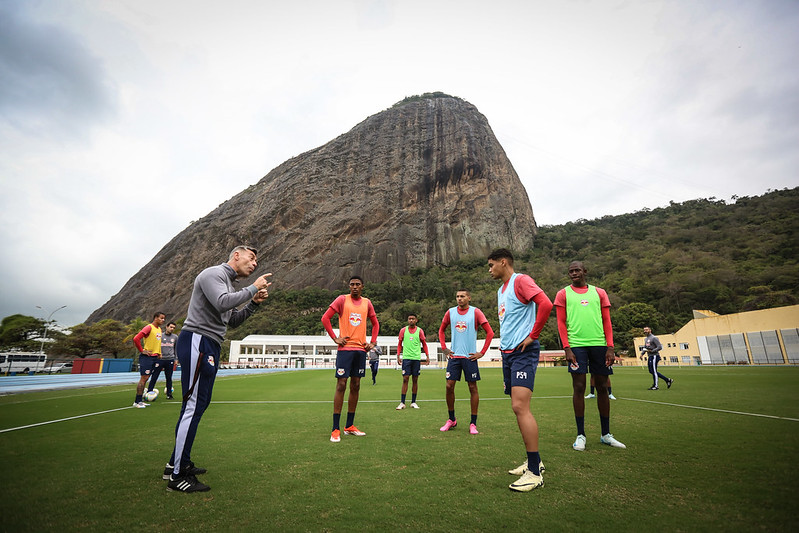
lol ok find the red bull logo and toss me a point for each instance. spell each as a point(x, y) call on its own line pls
point(355, 319)
point(461, 326)
point(583, 302)
point(501, 312)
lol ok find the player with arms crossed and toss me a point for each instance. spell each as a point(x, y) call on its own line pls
point(352, 310)
point(212, 308)
point(167, 363)
point(520, 325)
point(465, 320)
point(586, 333)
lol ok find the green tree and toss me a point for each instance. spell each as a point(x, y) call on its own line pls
point(628, 321)
point(106, 337)
point(21, 332)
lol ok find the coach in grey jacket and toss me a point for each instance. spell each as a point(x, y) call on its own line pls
point(213, 306)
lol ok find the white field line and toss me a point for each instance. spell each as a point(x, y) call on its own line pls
point(305, 402)
point(713, 409)
point(63, 419)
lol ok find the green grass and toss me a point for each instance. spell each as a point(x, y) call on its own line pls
point(272, 466)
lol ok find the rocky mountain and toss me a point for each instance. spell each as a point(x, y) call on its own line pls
point(421, 183)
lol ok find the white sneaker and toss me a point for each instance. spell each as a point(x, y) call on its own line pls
point(414, 405)
point(140, 405)
point(400, 407)
point(611, 397)
point(579, 443)
point(610, 441)
point(522, 468)
point(590, 395)
point(527, 482)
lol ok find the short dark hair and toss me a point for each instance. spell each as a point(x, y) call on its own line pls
point(359, 278)
point(413, 315)
point(159, 313)
point(467, 291)
point(171, 324)
point(501, 253)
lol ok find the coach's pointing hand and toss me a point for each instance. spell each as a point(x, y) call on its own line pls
point(262, 282)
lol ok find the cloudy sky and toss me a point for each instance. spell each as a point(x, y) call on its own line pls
point(121, 122)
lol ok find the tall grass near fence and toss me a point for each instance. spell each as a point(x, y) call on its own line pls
point(714, 453)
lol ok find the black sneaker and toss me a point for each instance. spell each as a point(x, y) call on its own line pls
point(187, 483)
point(191, 470)
point(668, 384)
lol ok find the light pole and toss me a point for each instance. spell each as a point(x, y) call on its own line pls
point(47, 325)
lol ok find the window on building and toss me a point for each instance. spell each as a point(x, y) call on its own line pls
point(683, 346)
point(674, 359)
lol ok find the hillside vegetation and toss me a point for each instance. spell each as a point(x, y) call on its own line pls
point(657, 266)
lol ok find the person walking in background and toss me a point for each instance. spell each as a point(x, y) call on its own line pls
point(523, 310)
point(353, 310)
point(465, 320)
point(652, 349)
point(167, 362)
point(374, 361)
point(212, 308)
point(149, 353)
point(409, 354)
point(585, 330)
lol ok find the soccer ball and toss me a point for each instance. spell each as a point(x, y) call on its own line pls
point(151, 395)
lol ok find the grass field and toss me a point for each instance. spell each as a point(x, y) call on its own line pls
point(715, 453)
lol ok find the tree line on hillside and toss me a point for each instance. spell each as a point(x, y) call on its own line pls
point(657, 266)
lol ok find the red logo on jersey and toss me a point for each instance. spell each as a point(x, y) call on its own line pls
point(355, 319)
point(583, 302)
point(461, 326)
point(501, 311)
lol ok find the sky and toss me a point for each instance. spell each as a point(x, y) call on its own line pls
point(122, 122)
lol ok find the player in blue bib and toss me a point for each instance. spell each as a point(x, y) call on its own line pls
point(462, 358)
point(523, 310)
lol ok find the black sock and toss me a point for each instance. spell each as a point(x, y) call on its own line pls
point(534, 463)
point(474, 419)
point(452, 415)
point(336, 421)
point(350, 419)
point(605, 423)
point(580, 424)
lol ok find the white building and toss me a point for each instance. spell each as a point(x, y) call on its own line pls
point(299, 351)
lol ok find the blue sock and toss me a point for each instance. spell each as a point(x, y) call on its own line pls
point(474, 419)
point(604, 421)
point(413, 398)
point(350, 419)
point(452, 415)
point(402, 398)
point(336, 421)
point(533, 462)
point(138, 398)
point(610, 390)
point(580, 424)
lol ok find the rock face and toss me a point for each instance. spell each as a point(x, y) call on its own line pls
point(421, 183)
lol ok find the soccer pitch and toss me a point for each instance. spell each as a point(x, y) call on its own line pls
point(716, 452)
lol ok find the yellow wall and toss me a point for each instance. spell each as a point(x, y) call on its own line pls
point(775, 319)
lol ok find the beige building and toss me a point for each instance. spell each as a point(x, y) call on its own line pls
point(763, 337)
